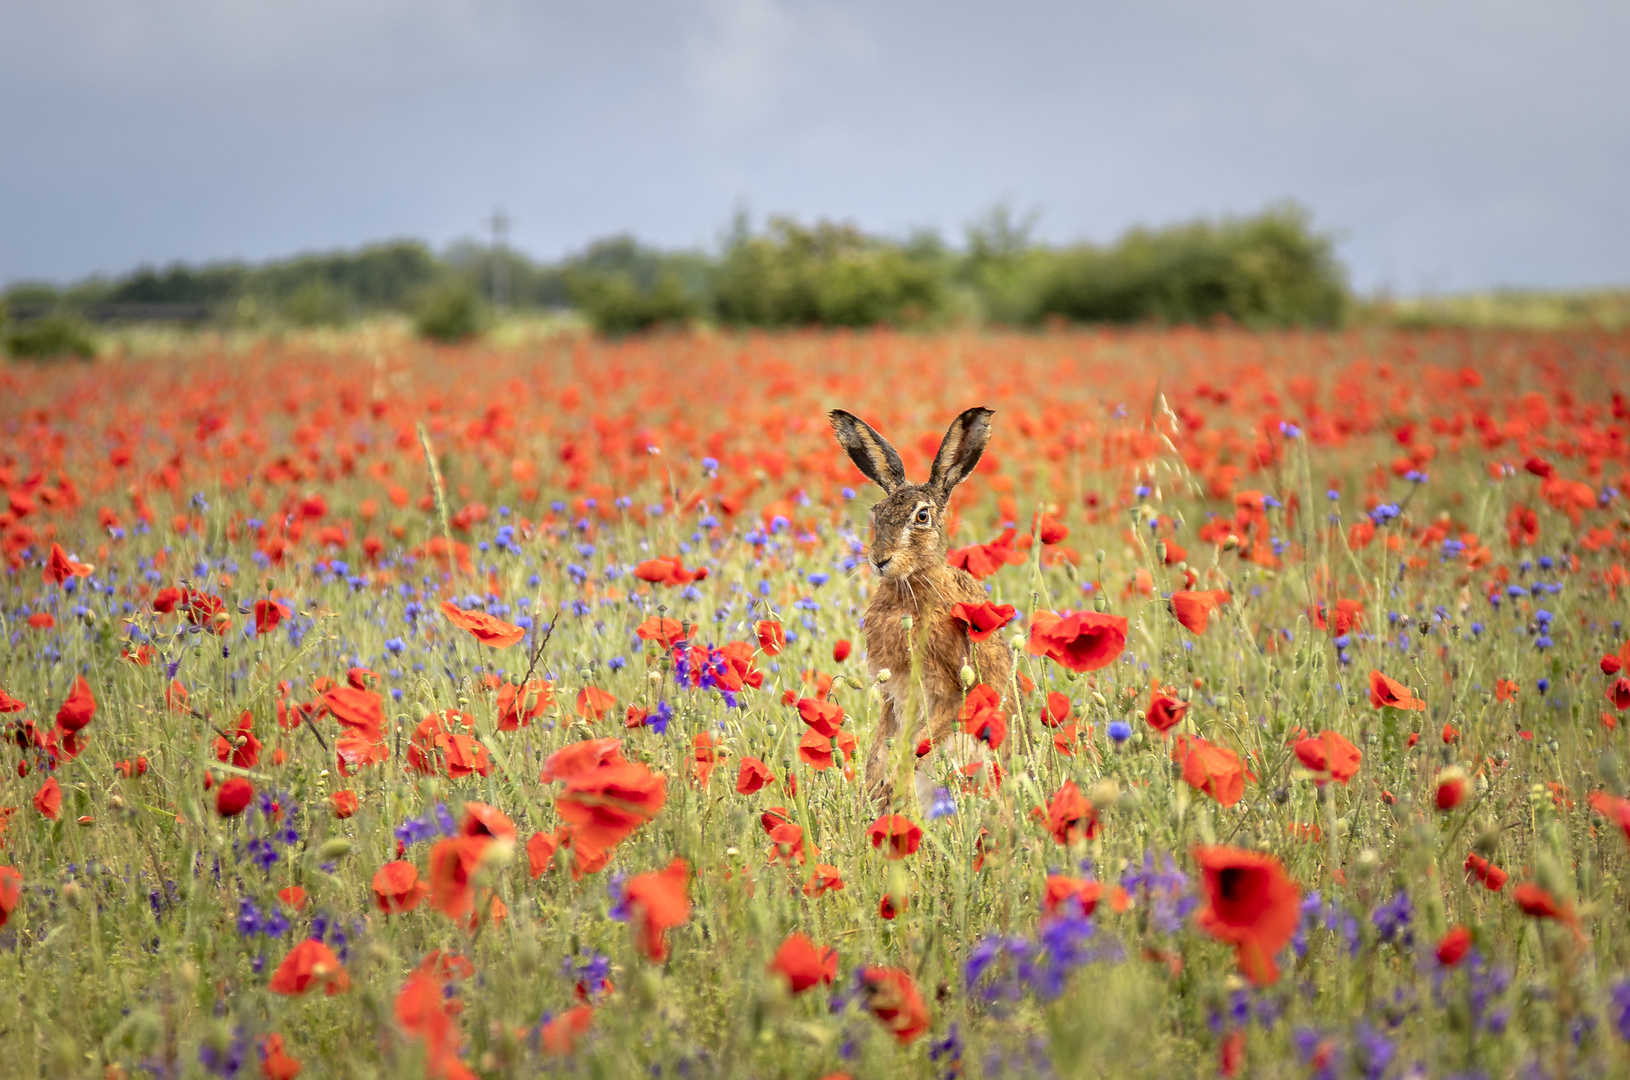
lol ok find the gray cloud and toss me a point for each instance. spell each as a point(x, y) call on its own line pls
point(1451, 144)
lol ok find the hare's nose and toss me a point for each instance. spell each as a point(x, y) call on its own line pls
point(882, 564)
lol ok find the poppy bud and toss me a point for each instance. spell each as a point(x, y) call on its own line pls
point(967, 676)
point(335, 848)
point(905, 623)
point(1100, 603)
point(1230, 542)
point(883, 675)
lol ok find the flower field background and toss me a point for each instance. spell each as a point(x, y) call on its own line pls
point(375, 709)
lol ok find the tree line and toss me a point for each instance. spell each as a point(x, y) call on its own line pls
point(1271, 269)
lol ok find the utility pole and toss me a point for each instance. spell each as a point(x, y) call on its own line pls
point(500, 258)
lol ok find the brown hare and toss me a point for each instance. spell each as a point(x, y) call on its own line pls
point(908, 553)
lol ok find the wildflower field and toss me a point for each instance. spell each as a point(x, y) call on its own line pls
point(374, 709)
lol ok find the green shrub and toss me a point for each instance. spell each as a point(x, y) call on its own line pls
point(450, 313)
point(1268, 270)
point(51, 338)
point(317, 303)
point(830, 275)
point(615, 303)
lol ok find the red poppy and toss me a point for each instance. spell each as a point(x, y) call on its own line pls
point(559, 1036)
point(1329, 753)
point(1070, 817)
point(1454, 946)
point(42, 620)
point(1250, 904)
point(982, 716)
point(1080, 894)
point(540, 853)
point(1231, 1054)
point(426, 1013)
point(668, 570)
point(268, 614)
point(740, 657)
point(275, 1063)
point(1619, 693)
point(1215, 770)
point(825, 717)
point(483, 819)
point(704, 756)
point(902, 834)
point(1049, 530)
point(1613, 663)
point(9, 704)
point(486, 629)
point(344, 803)
point(48, 800)
point(78, 709)
point(396, 887)
point(234, 796)
point(518, 706)
point(815, 749)
point(1389, 692)
point(580, 757)
point(983, 560)
point(360, 711)
point(1613, 808)
point(11, 890)
point(891, 996)
point(1084, 641)
point(1452, 788)
point(771, 637)
point(823, 880)
point(752, 777)
point(841, 650)
point(1164, 712)
point(1057, 711)
point(293, 896)
point(309, 964)
point(656, 904)
point(454, 864)
point(243, 750)
point(1193, 608)
point(1480, 869)
point(60, 567)
point(664, 631)
point(607, 803)
point(983, 619)
point(1505, 690)
point(593, 703)
point(803, 965)
point(1538, 902)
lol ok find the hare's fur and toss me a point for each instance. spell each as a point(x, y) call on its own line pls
point(908, 554)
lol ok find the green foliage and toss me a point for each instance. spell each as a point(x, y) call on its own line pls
point(1268, 270)
point(615, 303)
point(51, 338)
point(450, 313)
point(317, 303)
point(829, 275)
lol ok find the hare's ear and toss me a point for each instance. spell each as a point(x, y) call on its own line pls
point(959, 452)
point(870, 452)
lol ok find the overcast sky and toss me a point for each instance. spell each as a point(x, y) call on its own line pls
point(1448, 145)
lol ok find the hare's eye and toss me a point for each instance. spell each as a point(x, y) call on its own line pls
point(922, 516)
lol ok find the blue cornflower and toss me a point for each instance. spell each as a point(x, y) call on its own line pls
point(1120, 730)
point(944, 805)
point(1384, 513)
point(248, 918)
point(1393, 919)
